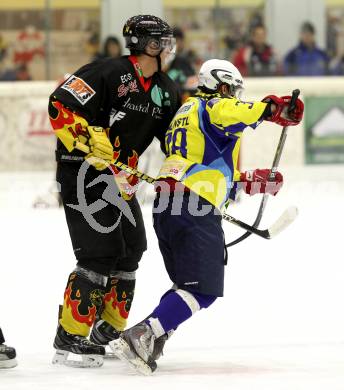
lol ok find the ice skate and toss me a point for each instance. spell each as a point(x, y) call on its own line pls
point(159, 346)
point(139, 348)
point(102, 333)
point(7, 356)
point(89, 354)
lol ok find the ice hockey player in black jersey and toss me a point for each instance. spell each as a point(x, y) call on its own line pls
point(115, 107)
point(7, 354)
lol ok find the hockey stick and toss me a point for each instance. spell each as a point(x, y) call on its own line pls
point(132, 171)
point(285, 219)
point(272, 174)
point(280, 224)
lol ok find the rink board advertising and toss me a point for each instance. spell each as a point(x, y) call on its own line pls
point(324, 130)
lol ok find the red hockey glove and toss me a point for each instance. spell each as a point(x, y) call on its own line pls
point(256, 181)
point(279, 110)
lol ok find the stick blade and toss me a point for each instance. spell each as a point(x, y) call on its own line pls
point(283, 221)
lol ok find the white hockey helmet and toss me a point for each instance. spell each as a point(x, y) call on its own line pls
point(215, 72)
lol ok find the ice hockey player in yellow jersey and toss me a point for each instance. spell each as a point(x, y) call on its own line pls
point(203, 139)
point(196, 180)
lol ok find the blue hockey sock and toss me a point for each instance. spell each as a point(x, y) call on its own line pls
point(175, 307)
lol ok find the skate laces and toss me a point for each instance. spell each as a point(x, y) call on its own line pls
point(83, 340)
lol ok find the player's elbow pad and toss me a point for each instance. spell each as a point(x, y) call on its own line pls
point(67, 125)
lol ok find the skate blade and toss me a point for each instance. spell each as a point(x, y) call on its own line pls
point(109, 354)
point(8, 363)
point(122, 350)
point(87, 361)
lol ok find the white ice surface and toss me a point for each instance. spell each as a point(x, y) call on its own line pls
point(279, 326)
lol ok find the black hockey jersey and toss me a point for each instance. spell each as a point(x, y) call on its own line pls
point(111, 93)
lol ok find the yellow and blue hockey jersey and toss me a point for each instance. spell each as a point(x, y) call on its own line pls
point(203, 142)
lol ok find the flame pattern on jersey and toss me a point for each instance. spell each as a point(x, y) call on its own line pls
point(132, 162)
point(68, 125)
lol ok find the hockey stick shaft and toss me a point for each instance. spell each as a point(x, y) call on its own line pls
point(132, 171)
point(278, 226)
point(248, 228)
point(149, 179)
point(271, 177)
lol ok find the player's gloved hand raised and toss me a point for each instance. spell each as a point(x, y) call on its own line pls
point(101, 150)
point(256, 181)
point(279, 110)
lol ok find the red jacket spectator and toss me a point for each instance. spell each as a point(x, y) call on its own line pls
point(257, 58)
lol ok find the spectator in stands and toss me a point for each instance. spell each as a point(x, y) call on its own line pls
point(257, 57)
point(306, 59)
point(181, 69)
point(112, 48)
point(334, 27)
point(19, 73)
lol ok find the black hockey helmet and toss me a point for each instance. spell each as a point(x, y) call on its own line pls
point(140, 30)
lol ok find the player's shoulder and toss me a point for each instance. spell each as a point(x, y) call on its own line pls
point(103, 67)
point(114, 66)
point(190, 104)
point(220, 101)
